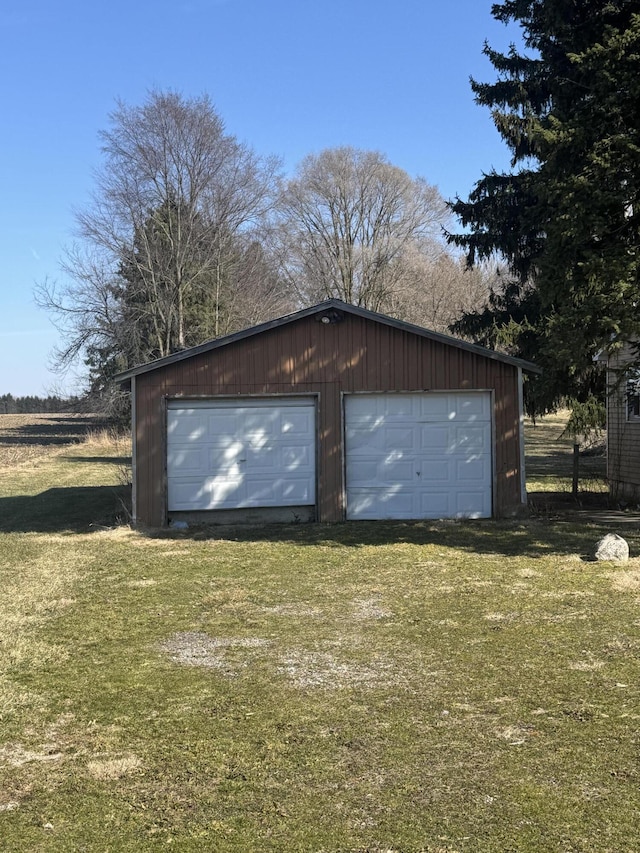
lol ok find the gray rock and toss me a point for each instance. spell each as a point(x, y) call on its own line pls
point(612, 547)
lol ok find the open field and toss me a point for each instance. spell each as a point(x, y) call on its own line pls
point(60, 472)
point(358, 687)
point(30, 437)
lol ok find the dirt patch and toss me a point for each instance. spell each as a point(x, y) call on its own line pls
point(292, 610)
point(587, 665)
point(303, 668)
point(502, 617)
point(324, 670)
point(195, 648)
point(369, 608)
point(15, 755)
point(515, 735)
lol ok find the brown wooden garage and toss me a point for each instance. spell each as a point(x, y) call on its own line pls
point(331, 413)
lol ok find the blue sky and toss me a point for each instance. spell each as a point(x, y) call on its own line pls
point(288, 77)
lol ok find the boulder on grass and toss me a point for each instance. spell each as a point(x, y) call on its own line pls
point(613, 548)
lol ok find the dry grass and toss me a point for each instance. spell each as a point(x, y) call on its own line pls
point(629, 579)
point(61, 472)
point(110, 769)
point(447, 688)
point(11, 455)
point(359, 688)
point(27, 438)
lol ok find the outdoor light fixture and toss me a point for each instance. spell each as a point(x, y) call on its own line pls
point(331, 316)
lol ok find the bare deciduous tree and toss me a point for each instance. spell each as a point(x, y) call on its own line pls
point(438, 287)
point(174, 198)
point(347, 221)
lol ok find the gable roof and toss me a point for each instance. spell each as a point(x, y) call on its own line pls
point(322, 308)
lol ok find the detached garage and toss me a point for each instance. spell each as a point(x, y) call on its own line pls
point(331, 413)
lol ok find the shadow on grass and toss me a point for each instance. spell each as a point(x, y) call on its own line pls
point(100, 460)
point(564, 501)
point(528, 537)
point(81, 509)
point(53, 430)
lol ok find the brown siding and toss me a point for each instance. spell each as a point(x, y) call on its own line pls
point(306, 356)
point(623, 436)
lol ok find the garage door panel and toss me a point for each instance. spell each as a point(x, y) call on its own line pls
point(297, 458)
point(295, 491)
point(434, 408)
point(377, 472)
point(262, 492)
point(300, 424)
point(363, 471)
point(229, 492)
point(366, 407)
point(380, 504)
point(400, 437)
point(434, 437)
point(191, 460)
point(273, 458)
point(192, 426)
point(474, 408)
point(436, 471)
point(471, 471)
point(280, 492)
point(264, 459)
point(396, 471)
point(220, 458)
point(471, 438)
point(222, 426)
point(451, 408)
point(197, 494)
point(225, 456)
point(256, 441)
point(436, 504)
point(472, 505)
point(395, 406)
point(417, 455)
point(365, 439)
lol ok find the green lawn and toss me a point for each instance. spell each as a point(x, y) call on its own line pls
point(357, 687)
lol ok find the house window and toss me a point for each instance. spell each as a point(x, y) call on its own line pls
point(633, 395)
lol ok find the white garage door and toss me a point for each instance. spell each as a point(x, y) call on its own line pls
point(418, 455)
point(231, 454)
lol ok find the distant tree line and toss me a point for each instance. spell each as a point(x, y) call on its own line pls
point(10, 405)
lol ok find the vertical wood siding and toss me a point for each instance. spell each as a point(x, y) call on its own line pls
point(623, 436)
point(307, 356)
